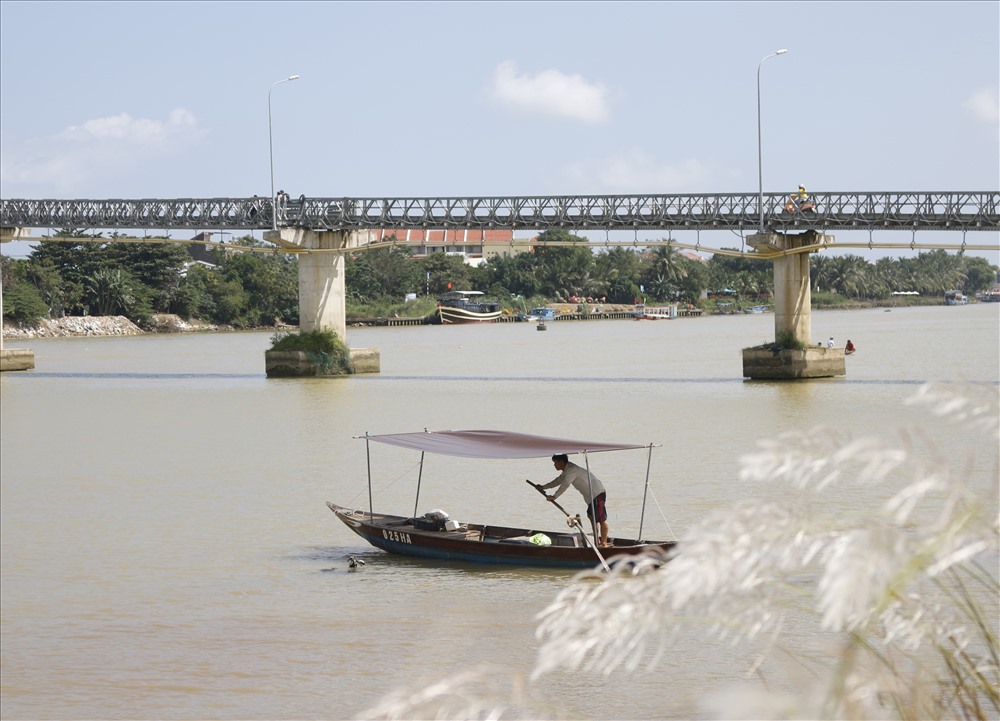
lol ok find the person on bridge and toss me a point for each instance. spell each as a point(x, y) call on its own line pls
point(799, 200)
point(585, 482)
point(282, 204)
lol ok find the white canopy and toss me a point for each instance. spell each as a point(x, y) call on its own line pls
point(494, 444)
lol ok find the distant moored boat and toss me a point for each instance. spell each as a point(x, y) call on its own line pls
point(467, 306)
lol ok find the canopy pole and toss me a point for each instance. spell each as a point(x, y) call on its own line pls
point(590, 506)
point(645, 491)
point(420, 476)
point(368, 460)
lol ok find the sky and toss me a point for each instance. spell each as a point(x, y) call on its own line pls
point(427, 99)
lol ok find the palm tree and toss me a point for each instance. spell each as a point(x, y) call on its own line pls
point(820, 270)
point(667, 263)
point(110, 289)
point(849, 275)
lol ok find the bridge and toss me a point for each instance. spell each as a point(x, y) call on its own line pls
point(954, 211)
point(324, 229)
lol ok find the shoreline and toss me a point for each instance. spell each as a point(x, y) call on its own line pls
point(74, 326)
point(119, 325)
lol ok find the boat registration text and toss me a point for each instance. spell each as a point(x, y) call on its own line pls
point(396, 536)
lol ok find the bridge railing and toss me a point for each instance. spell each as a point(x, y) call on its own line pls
point(958, 210)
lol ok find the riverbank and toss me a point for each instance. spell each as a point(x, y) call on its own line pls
point(74, 326)
point(87, 325)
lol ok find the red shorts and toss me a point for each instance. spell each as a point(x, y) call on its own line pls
point(600, 506)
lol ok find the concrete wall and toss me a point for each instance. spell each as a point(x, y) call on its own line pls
point(16, 359)
point(790, 364)
point(299, 364)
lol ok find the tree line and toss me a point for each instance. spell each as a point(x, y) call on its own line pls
point(243, 288)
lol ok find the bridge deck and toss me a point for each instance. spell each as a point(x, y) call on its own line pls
point(964, 211)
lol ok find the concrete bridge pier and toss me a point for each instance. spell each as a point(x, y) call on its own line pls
point(792, 314)
point(322, 297)
point(13, 359)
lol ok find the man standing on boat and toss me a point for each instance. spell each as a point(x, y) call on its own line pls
point(589, 486)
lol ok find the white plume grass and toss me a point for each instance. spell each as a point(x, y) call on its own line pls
point(899, 590)
point(890, 613)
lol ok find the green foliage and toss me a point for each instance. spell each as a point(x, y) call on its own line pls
point(249, 285)
point(748, 277)
point(382, 273)
point(930, 274)
point(22, 301)
point(24, 304)
point(979, 275)
point(786, 339)
point(325, 348)
point(566, 270)
point(391, 308)
point(621, 269)
point(155, 266)
point(443, 270)
point(110, 291)
point(514, 274)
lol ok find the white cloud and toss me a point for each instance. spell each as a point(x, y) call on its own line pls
point(140, 131)
point(636, 171)
point(985, 105)
point(550, 93)
point(74, 159)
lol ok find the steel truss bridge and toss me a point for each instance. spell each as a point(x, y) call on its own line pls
point(912, 211)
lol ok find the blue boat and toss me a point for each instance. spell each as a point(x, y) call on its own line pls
point(956, 297)
point(538, 315)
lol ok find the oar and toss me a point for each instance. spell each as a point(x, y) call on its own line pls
point(574, 521)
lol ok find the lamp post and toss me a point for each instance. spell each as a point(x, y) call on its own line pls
point(270, 149)
point(760, 171)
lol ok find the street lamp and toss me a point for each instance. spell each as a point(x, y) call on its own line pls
point(760, 171)
point(270, 148)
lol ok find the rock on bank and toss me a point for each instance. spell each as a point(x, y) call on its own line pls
point(70, 326)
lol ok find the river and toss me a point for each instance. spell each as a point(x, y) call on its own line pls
point(167, 552)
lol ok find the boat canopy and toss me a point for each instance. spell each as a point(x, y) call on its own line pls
point(494, 444)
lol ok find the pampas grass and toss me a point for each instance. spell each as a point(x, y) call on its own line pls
point(899, 602)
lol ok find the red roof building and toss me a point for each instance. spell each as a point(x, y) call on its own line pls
point(476, 246)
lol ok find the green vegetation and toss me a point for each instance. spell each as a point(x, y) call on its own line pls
point(391, 307)
point(324, 347)
point(786, 340)
point(236, 287)
point(246, 285)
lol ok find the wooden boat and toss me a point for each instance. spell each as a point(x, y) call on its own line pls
point(466, 306)
point(436, 536)
point(956, 297)
point(645, 312)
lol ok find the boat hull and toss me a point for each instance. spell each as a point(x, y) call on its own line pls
point(655, 312)
point(453, 316)
point(482, 544)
